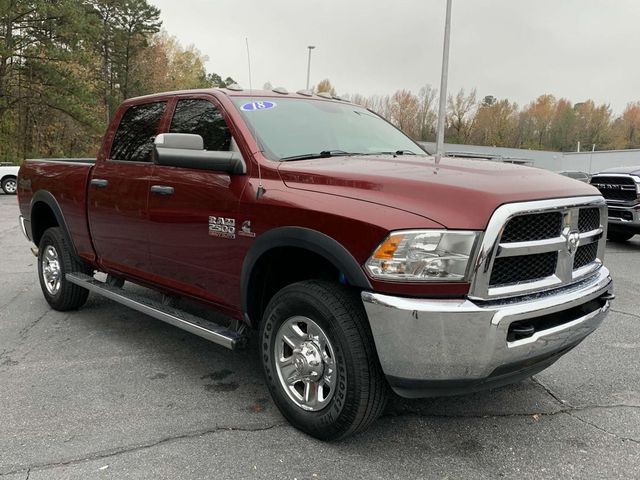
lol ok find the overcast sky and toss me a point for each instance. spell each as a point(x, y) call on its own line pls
point(515, 49)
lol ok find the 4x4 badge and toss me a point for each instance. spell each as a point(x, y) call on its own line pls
point(245, 230)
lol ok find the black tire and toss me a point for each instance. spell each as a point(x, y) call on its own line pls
point(67, 296)
point(619, 236)
point(10, 185)
point(361, 390)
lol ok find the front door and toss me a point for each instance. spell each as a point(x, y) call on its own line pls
point(192, 214)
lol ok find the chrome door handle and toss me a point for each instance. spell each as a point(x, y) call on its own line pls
point(162, 190)
point(99, 182)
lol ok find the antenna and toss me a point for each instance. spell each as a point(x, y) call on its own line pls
point(261, 190)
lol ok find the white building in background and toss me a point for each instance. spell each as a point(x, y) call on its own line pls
point(590, 162)
point(594, 162)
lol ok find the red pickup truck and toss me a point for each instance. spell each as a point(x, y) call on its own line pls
point(363, 263)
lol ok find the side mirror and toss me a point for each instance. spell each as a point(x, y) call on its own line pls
point(185, 150)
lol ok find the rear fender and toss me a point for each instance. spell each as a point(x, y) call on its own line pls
point(45, 197)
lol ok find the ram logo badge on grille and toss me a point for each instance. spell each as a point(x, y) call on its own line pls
point(572, 237)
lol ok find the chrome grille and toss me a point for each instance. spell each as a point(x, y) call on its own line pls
point(523, 268)
point(585, 255)
point(534, 246)
point(533, 227)
point(589, 219)
point(617, 188)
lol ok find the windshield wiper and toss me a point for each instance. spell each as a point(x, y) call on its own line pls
point(322, 154)
point(397, 152)
point(405, 152)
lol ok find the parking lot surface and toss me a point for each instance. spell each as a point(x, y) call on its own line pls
point(106, 392)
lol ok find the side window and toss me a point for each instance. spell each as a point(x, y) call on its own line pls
point(202, 118)
point(134, 139)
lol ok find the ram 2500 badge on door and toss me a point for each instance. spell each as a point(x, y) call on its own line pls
point(363, 263)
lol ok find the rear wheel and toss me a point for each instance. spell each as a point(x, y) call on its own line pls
point(618, 236)
point(10, 185)
point(55, 260)
point(319, 360)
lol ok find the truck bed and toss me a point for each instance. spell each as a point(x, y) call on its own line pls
point(63, 160)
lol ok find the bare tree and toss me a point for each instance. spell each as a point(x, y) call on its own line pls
point(427, 113)
point(460, 115)
point(404, 110)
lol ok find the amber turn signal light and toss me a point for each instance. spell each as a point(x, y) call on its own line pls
point(388, 248)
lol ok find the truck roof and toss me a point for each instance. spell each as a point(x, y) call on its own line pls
point(632, 170)
point(242, 92)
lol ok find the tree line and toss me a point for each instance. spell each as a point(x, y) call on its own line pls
point(65, 65)
point(546, 123)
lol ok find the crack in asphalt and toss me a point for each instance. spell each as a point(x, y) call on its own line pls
point(136, 448)
point(409, 413)
point(22, 336)
point(10, 301)
point(567, 409)
point(603, 430)
point(571, 412)
point(551, 393)
point(626, 313)
point(25, 330)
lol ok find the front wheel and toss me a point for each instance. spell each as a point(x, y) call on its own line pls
point(55, 260)
point(319, 360)
point(9, 185)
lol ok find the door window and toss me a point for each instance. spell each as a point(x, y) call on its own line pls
point(134, 139)
point(201, 117)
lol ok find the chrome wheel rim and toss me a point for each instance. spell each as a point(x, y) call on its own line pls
point(305, 363)
point(11, 186)
point(51, 273)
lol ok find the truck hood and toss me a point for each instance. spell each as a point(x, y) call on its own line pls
point(456, 193)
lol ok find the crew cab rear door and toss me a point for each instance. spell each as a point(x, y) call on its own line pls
point(119, 192)
point(192, 212)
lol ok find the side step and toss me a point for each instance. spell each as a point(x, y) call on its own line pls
point(196, 325)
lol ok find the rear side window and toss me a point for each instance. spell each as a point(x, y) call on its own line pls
point(134, 139)
point(201, 117)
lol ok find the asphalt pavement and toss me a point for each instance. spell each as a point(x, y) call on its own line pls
point(108, 393)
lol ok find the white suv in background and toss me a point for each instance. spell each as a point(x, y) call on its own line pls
point(9, 178)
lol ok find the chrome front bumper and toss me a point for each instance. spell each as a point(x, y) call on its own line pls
point(430, 347)
point(632, 216)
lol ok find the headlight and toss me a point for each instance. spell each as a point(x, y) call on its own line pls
point(423, 255)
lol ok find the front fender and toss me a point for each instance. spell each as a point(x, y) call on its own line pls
point(308, 239)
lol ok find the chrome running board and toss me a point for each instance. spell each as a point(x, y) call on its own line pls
point(173, 316)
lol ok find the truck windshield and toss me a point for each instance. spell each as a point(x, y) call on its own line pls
point(295, 129)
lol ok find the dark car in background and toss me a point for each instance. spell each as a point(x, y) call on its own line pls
point(576, 175)
point(621, 189)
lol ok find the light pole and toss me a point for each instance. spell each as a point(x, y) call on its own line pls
point(310, 47)
point(442, 110)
